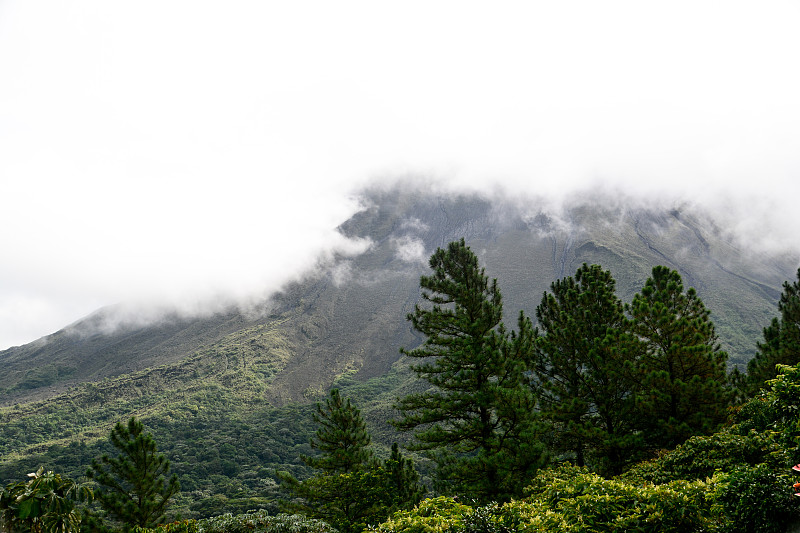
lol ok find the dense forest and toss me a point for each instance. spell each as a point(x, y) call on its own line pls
point(603, 416)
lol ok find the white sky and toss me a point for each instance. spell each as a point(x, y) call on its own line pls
point(177, 150)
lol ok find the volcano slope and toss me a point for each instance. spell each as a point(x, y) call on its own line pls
point(228, 395)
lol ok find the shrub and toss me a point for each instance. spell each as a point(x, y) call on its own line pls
point(183, 526)
point(434, 515)
point(486, 519)
point(756, 499)
point(261, 521)
point(572, 500)
point(531, 516)
point(254, 522)
point(701, 456)
point(587, 503)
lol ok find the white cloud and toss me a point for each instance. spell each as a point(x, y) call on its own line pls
point(410, 249)
point(184, 150)
point(414, 224)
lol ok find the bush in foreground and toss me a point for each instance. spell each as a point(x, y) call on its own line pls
point(255, 522)
point(571, 500)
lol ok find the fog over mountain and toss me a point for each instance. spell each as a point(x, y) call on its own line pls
point(193, 156)
point(345, 317)
point(753, 229)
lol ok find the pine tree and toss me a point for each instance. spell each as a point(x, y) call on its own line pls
point(583, 374)
point(684, 385)
point(781, 342)
point(350, 488)
point(133, 488)
point(342, 437)
point(403, 488)
point(476, 419)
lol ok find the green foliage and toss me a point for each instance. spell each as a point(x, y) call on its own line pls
point(46, 503)
point(756, 499)
point(587, 502)
point(584, 370)
point(182, 526)
point(132, 487)
point(476, 419)
point(487, 519)
point(783, 399)
point(748, 462)
point(214, 395)
point(402, 481)
point(775, 414)
point(570, 499)
point(229, 407)
point(434, 515)
point(781, 343)
point(258, 440)
point(252, 522)
point(683, 368)
point(261, 521)
point(342, 437)
point(346, 501)
point(702, 456)
point(353, 488)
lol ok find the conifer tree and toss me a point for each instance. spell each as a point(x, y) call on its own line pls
point(781, 342)
point(684, 385)
point(476, 419)
point(352, 488)
point(583, 373)
point(403, 488)
point(132, 487)
point(342, 437)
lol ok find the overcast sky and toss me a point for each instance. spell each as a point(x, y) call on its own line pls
point(185, 150)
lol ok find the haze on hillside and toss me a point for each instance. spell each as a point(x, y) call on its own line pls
point(195, 155)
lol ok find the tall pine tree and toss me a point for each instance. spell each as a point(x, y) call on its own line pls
point(352, 488)
point(781, 342)
point(132, 487)
point(583, 373)
point(476, 419)
point(342, 437)
point(684, 385)
point(403, 489)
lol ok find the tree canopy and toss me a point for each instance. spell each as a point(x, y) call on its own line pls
point(352, 487)
point(682, 367)
point(342, 437)
point(132, 486)
point(583, 371)
point(46, 503)
point(781, 344)
point(476, 418)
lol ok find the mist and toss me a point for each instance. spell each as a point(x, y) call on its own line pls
point(195, 157)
